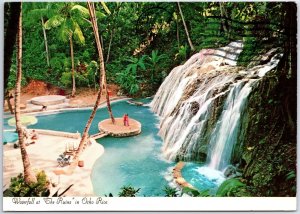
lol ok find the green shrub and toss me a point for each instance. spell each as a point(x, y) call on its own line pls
point(66, 79)
point(170, 192)
point(82, 80)
point(128, 191)
point(196, 193)
point(18, 187)
point(232, 187)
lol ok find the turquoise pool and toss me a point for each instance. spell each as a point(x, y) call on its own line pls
point(135, 161)
point(202, 177)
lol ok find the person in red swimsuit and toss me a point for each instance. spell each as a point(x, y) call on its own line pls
point(127, 120)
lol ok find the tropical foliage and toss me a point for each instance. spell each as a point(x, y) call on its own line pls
point(137, 58)
point(19, 188)
point(128, 191)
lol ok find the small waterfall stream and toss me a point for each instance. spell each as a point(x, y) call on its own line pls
point(227, 128)
point(201, 104)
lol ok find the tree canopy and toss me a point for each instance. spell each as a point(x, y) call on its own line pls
point(135, 36)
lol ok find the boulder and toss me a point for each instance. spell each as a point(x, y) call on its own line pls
point(230, 171)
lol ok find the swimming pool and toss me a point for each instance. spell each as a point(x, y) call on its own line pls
point(135, 161)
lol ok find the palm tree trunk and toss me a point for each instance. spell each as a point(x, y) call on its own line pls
point(73, 69)
point(46, 42)
point(109, 46)
point(101, 59)
point(29, 176)
point(82, 143)
point(90, 120)
point(107, 99)
point(8, 97)
point(185, 28)
point(223, 20)
point(177, 34)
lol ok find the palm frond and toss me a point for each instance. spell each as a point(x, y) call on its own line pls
point(100, 15)
point(54, 21)
point(61, 194)
point(64, 32)
point(78, 35)
point(105, 7)
point(38, 13)
point(80, 10)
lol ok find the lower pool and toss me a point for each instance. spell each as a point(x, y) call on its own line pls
point(202, 177)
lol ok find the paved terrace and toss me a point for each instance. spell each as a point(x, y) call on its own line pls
point(43, 156)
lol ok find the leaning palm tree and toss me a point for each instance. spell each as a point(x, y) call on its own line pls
point(68, 20)
point(29, 175)
point(102, 84)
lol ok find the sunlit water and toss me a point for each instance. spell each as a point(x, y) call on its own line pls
point(202, 177)
point(134, 161)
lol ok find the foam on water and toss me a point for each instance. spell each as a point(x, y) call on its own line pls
point(202, 177)
point(211, 174)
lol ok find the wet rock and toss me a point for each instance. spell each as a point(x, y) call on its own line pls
point(194, 108)
point(239, 77)
point(135, 103)
point(229, 171)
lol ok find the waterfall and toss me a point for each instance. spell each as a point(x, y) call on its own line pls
point(227, 128)
point(201, 104)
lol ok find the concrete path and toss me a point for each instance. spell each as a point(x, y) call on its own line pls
point(43, 156)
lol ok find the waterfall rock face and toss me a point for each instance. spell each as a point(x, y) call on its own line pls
point(201, 103)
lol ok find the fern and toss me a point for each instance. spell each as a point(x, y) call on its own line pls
point(229, 187)
point(291, 175)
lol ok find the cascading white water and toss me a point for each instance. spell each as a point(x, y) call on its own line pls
point(227, 128)
point(201, 103)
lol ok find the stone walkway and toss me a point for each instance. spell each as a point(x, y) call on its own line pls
point(178, 177)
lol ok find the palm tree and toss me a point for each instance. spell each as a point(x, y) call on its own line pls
point(29, 176)
point(39, 11)
point(102, 85)
point(68, 19)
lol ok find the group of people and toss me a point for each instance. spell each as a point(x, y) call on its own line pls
point(32, 136)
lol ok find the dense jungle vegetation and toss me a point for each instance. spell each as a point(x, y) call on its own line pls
point(142, 42)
